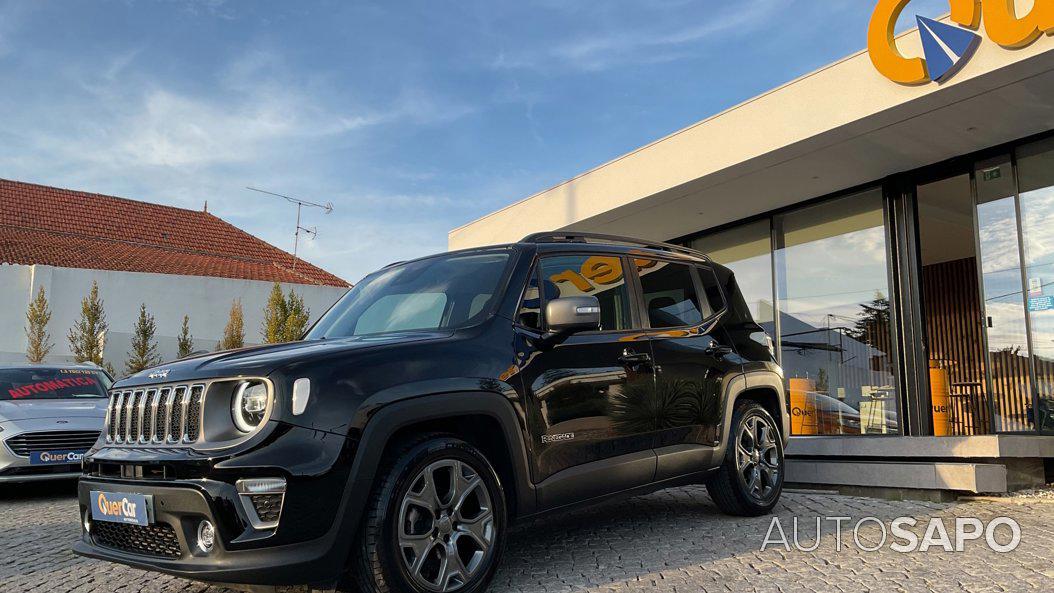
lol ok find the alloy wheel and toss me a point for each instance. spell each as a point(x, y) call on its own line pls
point(446, 529)
point(757, 457)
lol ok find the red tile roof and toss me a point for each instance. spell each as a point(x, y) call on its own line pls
point(73, 229)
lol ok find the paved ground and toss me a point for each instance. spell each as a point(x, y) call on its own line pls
point(669, 541)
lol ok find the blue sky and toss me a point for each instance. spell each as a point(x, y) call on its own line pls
point(411, 117)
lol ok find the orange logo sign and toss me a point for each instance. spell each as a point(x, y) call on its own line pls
point(1001, 22)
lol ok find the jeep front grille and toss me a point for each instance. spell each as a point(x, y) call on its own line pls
point(163, 414)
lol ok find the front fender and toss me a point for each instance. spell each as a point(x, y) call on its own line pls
point(752, 380)
point(385, 421)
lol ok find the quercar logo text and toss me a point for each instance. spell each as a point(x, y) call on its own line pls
point(946, 47)
point(116, 507)
point(61, 457)
point(122, 508)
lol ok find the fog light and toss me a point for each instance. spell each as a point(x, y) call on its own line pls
point(87, 521)
point(206, 536)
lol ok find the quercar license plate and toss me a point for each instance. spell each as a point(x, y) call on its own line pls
point(55, 457)
point(121, 507)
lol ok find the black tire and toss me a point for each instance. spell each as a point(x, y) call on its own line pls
point(729, 487)
point(380, 562)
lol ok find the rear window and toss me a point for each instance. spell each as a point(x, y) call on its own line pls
point(669, 294)
point(715, 300)
point(51, 383)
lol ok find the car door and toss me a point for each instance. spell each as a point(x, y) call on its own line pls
point(694, 359)
point(576, 389)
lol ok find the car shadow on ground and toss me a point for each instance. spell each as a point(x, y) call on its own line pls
point(17, 491)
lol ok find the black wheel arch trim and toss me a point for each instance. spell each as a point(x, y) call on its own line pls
point(387, 420)
point(748, 381)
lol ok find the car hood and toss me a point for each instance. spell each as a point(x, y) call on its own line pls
point(262, 360)
point(16, 410)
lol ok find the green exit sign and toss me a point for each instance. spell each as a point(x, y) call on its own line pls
point(992, 174)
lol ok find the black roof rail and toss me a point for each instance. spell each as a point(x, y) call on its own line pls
point(576, 237)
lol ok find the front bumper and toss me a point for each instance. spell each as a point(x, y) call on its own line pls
point(309, 546)
point(169, 545)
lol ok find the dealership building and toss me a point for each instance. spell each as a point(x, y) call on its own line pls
point(890, 219)
point(178, 262)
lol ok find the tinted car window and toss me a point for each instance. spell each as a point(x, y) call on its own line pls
point(443, 292)
point(590, 275)
point(713, 300)
point(51, 383)
point(530, 314)
point(669, 294)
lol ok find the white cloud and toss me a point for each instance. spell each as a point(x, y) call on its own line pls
point(630, 43)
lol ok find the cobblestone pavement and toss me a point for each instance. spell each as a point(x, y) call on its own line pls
point(669, 541)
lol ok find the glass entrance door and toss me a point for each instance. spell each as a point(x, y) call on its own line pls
point(986, 244)
point(1009, 382)
point(952, 308)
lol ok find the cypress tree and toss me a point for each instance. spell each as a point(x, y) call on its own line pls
point(144, 348)
point(38, 315)
point(185, 341)
point(86, 336)
point(275, 314)
point(234, 332)
point(297, 316)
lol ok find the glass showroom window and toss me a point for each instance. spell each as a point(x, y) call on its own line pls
point(747, 251)
point(1035, 165)
point(835, 322)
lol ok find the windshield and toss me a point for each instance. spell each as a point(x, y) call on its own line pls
point(51, 383)
point(445, 292)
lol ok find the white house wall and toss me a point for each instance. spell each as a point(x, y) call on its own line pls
point(168, 298)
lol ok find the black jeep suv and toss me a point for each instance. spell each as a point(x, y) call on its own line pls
point(437, 402)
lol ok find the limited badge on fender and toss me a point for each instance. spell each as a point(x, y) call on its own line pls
point(119, 507)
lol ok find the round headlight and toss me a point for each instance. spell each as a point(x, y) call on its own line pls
point(249, 405)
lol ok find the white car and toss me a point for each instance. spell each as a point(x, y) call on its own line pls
point(49, 416)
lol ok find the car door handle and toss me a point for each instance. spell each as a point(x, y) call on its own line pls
point(630, 357)
point(717, 350)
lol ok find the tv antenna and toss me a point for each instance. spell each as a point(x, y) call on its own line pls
point(310, 232)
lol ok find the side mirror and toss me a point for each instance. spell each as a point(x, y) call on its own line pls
point(569, 315)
